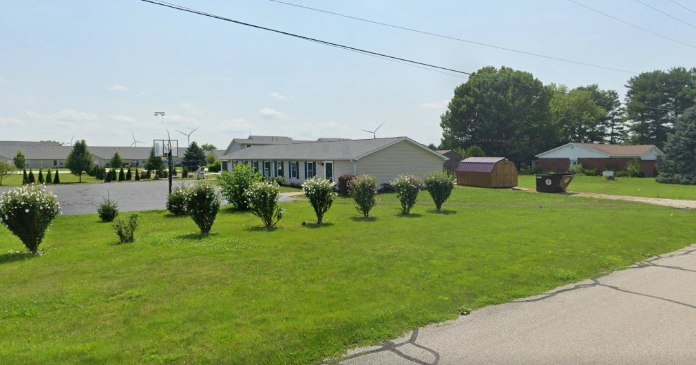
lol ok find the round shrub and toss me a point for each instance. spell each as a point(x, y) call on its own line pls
point(321, 194)
point(27, 212)
point(342, 185)
point(107, 210)
point(263, 202)
point(202, 204)
point(176, 201)
point(440, 186)
point(364, 190)
point(407, 188)
point(235, 185)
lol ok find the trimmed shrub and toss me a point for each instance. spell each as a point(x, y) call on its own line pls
point(321, 194)
point(32, 179)
point(407, 188)
point(634, 168)
point(215, 167)
point(129, 176)
point(49, 178)
point(343, 182)
point(137, 174)
point(121, 175)
point(263, 201)
point(107, 177)
point(107, 210)
point(364, 190)
point(125, 230)
point(235, 185)
point(148, 175)
point(173, 170)
point(25, 178)
point(184, 172)
point(176, 201)
point(279, 180)
point(202, 204)
point(440, 186)
point(41, 179)
point(27, 211)
point(56, 178)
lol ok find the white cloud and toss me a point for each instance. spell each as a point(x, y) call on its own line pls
point(190, 109)
point(279, 96)
point(272, 114)
point(236, 124)
point(67, 115)
point(6, 122)
point(124, 119)
point(441, 105)
point(117, 88)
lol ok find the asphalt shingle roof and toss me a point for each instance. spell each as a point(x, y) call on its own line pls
point(479, 164)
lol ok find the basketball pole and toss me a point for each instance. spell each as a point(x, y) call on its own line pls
point(169, 147)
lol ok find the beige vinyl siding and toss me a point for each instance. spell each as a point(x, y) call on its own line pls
point(401, 158)
point(342, 168)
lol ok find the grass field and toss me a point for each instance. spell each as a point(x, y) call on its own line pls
point(642, 187)
point(16, 179)
point(301, 293)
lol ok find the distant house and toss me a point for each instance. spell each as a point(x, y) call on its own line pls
point(454, 159)
point(487, 172)
point(600, 157)
point(383, 158)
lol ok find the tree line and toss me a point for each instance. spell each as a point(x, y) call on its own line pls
point(511, 113)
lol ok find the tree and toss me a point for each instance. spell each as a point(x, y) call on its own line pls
point(575, 115)
point(41, 177)
point(679, 164)
point(32, 179)
point(5, 169)
point(194, 155)
point(207, 147)
point(153, 163)
point(116, 161)
point(49, 177)
point(129, 176)
point(210, 159)
point(613, 125)
point(25, 178)
point(19, 160)
point(121, 175)
point(79, 159)
point(56, 178)
point(505, 112)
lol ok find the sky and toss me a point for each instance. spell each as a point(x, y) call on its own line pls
point(98, 70)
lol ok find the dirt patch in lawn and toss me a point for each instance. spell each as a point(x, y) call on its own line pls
point(674, 203)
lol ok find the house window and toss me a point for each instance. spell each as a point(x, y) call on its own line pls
point(267, 169)
point(310, 170)
point(55, 163)
point(248, 145)
point(255, 165)
point(279, 168)
point(294, 170)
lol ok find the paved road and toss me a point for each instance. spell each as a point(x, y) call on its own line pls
point(643, 315)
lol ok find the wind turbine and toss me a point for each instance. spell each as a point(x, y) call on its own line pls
point(71, 138)
point(135, 143)
point(188, 136)
point(374, 133)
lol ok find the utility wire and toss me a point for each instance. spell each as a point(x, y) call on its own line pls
point(633, 25)
point(426, 66)
point(663, 13)
point(385, 56)
point(672, 1)
point(452, 38)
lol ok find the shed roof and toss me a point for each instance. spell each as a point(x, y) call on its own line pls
point(479, 164)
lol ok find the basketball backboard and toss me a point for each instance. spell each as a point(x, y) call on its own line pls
point(162, 147)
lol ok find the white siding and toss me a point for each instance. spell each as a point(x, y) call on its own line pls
point(573, 153)
point(650, 155)
point(401, 158)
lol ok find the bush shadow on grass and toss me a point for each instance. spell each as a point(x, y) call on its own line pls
point(261, 229)
point(364, 219)
point(412, 215)
point(196, 236)
point(11, 257)
point(231, 210)
point(442, 212)
point(176, 216)
point(315, 225)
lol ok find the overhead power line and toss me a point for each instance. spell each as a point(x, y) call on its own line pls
point(633, 25)
point(365, 52)
point(672, 1)
point(665, 14)
point(353, 49)
point(452, 38)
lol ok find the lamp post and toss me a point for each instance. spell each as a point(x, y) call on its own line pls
point(169, 149)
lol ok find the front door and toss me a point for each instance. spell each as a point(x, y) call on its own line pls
point(328, 170)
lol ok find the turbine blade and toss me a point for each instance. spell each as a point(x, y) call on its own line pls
point(193, 131)
point(181, 132)
point(380, 126)
point(364, 130)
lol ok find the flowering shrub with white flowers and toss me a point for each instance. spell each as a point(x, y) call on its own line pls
point(176, 203)
point(321, 193)
point(202, 204)
point(263, 202)
point(407, 188)
point(440, 186)
point(364, 190)
point(27, 212)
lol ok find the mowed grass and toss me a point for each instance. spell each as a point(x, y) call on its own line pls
point(629, 186)
point(301, 293)
point(14, 180)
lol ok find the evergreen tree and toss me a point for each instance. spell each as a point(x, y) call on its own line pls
point(107, 177)
point(194, 155)
point(49, 178)
point(121, 175)
point(41, 179)
point(56, 178)
point(153, 163)
point(114, 177)
point(25, 178)
point(679, 164)
point(19, 160)
point(137, 174)
point(116, 161)
point(129, 176)
point(32, 179)
point(79, 159)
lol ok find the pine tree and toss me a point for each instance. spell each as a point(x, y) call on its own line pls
point(32, 179)
point(679, 164)
point(49, 178)
point(56, 179)
point(41, 179)
point(128, 175)
point(194, 156)
point(25, 178)
point(121, 175)
point(107, 177)
point(79, 159)
point(137, 174)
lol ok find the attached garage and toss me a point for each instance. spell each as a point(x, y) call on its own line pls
point(487, 172)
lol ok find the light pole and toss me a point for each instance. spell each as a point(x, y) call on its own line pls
point(169, 149)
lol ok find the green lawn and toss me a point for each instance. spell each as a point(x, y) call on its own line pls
point(301, 293)
point(642, 187)
point(16, 179)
